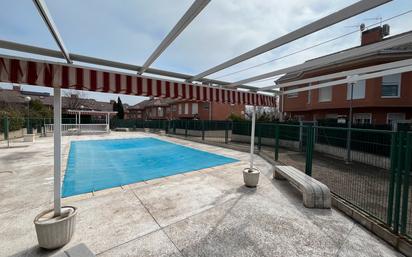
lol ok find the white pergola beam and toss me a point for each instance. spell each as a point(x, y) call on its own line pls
point(343, 14)
point(332, 59)
point(45, 14)
point(352, 79)
point(186, 19)
point(341, 74)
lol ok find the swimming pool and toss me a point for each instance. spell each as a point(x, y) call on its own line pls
point(99, 164)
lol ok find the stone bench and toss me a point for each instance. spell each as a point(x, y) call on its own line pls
point(315, 194)
point(29, 138)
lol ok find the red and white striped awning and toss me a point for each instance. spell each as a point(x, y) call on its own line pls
point(50, 74)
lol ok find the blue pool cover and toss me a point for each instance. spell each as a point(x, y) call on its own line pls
point(99, 164)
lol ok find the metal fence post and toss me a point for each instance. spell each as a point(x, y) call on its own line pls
point(203, 130)
point(277, 129)
point(226, 132)
point(393, 168)
point(398, 181)
point(309, 150)
point(6, 128)
point(300, 136)
point(405, 187)
point(260, 136)
point(186, 128)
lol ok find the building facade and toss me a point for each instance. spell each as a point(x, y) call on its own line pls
point(170, 109)
point(374, 101)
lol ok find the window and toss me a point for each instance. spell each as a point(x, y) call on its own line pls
point(195, 108)
point(391, 86)
point(206, 106)
point(292, 95)
point(174, 108)
point(160, 111)
point(153, 114)
point(180, 108)
point(186, 108)
point(362, 118)
point(391, 117)
point(331, 116)
point(325, 94)
point(358, 90)
point(309, 95)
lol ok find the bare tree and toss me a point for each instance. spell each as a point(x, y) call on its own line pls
point(73, 99)
point(263, 113)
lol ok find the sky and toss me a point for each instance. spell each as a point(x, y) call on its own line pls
point(130, 30)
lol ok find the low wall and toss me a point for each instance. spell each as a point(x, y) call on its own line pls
point(357, 156)
point(266, 141)
point(208, 133)
point(16, 134)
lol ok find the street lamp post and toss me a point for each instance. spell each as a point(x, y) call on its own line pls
point(27, 99)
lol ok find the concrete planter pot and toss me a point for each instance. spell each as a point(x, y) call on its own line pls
point(54, 232)
point(29, 138)
point(251, 177)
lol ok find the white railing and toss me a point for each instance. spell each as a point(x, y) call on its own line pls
point(73, 129)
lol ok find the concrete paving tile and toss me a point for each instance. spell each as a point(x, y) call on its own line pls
point(109, 220)
point(155, 244)
point(174, 201)
point(360, 242)
point(17, 233)
point(249, 226)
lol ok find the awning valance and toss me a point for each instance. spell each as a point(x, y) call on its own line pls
point(51, 74)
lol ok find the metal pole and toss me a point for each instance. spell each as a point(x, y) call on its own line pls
point(57, 150)
point(349, 134)
point(252, 137)
point(28, 117)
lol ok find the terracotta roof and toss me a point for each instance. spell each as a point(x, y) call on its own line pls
point(402, 49)
point(154, 102)
point(17, 97)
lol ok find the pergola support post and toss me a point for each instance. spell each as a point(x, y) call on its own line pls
point(57, 150)
point(252, 137)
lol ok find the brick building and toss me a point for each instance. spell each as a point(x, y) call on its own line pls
point(15, 98)
point(378, 101)
point(170, 109)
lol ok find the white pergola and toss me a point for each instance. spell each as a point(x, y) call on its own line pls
point(78, 115)
point(238, 86)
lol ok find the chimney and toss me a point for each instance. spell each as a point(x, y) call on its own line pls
point(374, 35)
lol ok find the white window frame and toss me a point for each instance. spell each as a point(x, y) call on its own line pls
point(361, 83)
point(309, 95)
point(293, 95)
point(397, 113)
point(186, 108)
point(179, 108)
point(399, 81)
point(195, 108)
point(363, 118)
point(325, 100)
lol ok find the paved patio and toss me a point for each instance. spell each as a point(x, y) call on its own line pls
point(201, 213)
